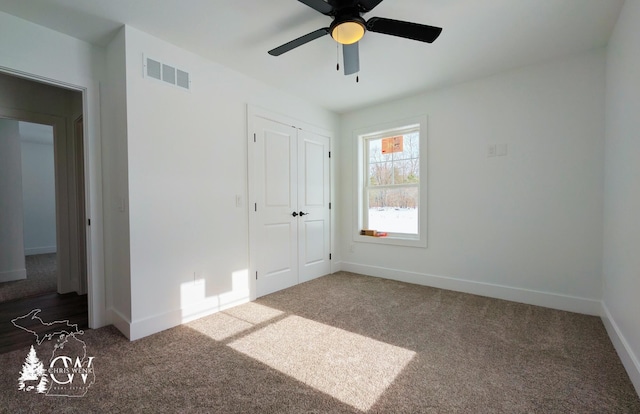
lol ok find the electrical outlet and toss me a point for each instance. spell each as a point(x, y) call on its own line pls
point(491, 150)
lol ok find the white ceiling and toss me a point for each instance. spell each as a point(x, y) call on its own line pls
point(479, 38)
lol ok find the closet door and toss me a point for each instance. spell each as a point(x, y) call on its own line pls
point(313, 202)
point(276, 190)
point(290, 222)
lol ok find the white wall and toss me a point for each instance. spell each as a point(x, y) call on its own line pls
point(526, 226)
point(116, 219)
point(187, 161)
point(621, 261)
point(32, 50)
point(12, 263)
point(38, 195)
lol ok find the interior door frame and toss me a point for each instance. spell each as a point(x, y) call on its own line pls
point(256, 111)
point(96, 287)
point(80, 200)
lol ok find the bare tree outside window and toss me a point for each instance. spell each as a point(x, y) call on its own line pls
point(392, 182)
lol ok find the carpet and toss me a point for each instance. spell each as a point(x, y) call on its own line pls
point(41, 278)
point(347, 343)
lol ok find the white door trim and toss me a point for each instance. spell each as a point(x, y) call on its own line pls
point(93, 189)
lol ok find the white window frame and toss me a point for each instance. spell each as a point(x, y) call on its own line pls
point(388, 129)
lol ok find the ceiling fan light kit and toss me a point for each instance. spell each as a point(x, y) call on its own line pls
point(347, 31)
point(348, 28)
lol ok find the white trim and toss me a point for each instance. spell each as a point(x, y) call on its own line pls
point(39, 250)
point(336, 266)
point(200, 310)
point(628, 358)
point(12, 275)
point(254, 110)
point(532, 297)
point(90, 90)
point(121, 323)
point(166, 320)
point(390, 240)
point(154, 324)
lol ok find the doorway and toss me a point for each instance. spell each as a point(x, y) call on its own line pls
point(46, 219)
point(290, 223)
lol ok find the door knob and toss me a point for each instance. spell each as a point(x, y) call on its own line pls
point(294, 214)
point(303, 214)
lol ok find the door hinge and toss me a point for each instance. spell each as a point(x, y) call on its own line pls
point(329, 256)
point(329, 206)
point(255, 206)
point(256, 275)
point(254, 137)
point(329, 154)
point(88, 222)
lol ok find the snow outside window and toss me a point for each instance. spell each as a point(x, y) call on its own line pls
point(392, 186)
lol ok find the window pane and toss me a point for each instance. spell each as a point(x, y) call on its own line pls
point(390, 168)
point(375, 147)
point(406, 172)
point(389, 183)
point(410, 147)
point(375, 151)
point(380, 173)
point(394, 210)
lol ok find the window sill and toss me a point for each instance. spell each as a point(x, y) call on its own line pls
point(392, 241)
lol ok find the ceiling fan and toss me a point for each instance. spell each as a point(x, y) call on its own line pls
point(348, 27)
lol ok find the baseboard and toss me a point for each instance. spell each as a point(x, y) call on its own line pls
point(628, 358)
point(336, 266)
point(12, 275)
point(148, 326)
point(120, 322)
point(40, 250)
point(531, 297)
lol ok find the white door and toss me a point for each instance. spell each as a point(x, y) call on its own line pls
point(276, 192)
point(291, 185)
point(313, 203)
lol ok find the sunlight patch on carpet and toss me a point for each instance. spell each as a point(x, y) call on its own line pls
point(350, 367)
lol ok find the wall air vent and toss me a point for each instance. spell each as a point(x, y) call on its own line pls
point(183, 79)
point(168, 74)
point(154, 69)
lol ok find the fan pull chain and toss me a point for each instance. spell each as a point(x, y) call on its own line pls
point(337, 57)
point(358, 78)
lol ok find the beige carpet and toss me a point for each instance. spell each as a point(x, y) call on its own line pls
point(41, 278)
point(350, 344)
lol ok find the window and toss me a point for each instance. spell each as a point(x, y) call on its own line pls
point(392, 197)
